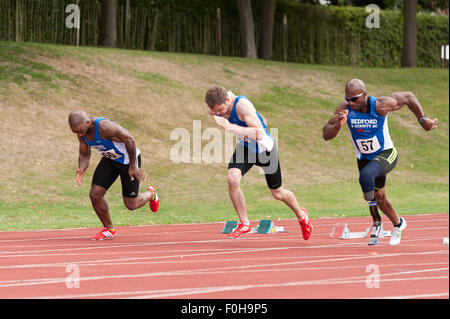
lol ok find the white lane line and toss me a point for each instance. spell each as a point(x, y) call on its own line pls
point(177, 256)
point(433, 220)
point(259, 239)
point(435, 295)
point(227, 241)
point(177, 292)
point(183, 257)
point(89, 244)
point(43, 281)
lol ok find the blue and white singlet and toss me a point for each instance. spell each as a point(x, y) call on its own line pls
point(370, 132)
point(115, 151)
point(265, 144)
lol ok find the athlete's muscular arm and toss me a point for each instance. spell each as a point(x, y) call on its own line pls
point(246, 112)
point(83, 159)
point(397, 100)
point(114, 132)
point(334, 125)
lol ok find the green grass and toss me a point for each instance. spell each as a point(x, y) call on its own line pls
point(152, 93)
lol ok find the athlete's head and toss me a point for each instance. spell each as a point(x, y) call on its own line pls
point(218, 100)
point(79, 122)
point(355, 93)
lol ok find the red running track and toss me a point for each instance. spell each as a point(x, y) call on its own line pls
point(197, 261)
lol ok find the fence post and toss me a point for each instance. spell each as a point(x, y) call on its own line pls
point(18, 20)
point(219, 31)
point(79, 26)
point(284, 36)
point(444, 54)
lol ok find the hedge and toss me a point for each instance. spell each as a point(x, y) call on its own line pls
point(315, 34)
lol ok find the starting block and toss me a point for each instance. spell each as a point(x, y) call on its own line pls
point(230, 226)
point(264, 227)
point(341, 231)
point(267, 226)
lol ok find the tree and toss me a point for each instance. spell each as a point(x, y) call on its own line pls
point(247, 28)
point(266, 38)
point(409, 57)
point(108, 24)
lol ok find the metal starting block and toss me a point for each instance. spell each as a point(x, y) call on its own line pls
point(230, 226)
point(265, 227)
point(341, 231)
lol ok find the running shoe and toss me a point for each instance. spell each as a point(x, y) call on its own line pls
point(241, 229)
point(154, 204)
point(105, 233)
point(397, 233)
point(306, 225)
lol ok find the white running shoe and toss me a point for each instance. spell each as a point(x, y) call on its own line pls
point(397, 233)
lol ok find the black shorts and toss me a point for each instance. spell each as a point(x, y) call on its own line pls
point(244, 159)
point(387, 159)
point(107, 172)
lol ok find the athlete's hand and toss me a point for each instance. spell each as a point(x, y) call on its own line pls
point(342, 117)
point(80, 175)
point(429, 124)
point(134, 172)
point(221, 121)
point(338, 119)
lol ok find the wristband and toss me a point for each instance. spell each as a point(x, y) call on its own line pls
point(422, 119)
point(266, 143)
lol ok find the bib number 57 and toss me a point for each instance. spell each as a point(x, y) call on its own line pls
point(368, 146)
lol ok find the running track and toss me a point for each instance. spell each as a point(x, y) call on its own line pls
point(197, 261)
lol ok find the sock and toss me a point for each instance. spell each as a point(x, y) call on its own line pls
point(401, 222)
point(246, 223)
point(112, 229)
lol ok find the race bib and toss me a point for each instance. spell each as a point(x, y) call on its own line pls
point(368, 146)
point(110, 154)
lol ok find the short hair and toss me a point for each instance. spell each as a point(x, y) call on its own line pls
point(216, 95)
point(356, 84)
point(77, 117)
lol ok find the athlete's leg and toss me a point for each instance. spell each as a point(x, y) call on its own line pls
point(289, 199)
point(367, 176)
point(97, 196)
point(234, 177)
point(369, 172)
point(272, 172)
point(238, 166)
point(133, 203)
point(386, 206)
point(104, 176)
point(373, 180)
point(130, 189)
point(270, 163)
point(388, 161)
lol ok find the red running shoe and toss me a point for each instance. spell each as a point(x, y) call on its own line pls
point(154, 204)
point(306, 226)
point(241, 229)
point(105, 233)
